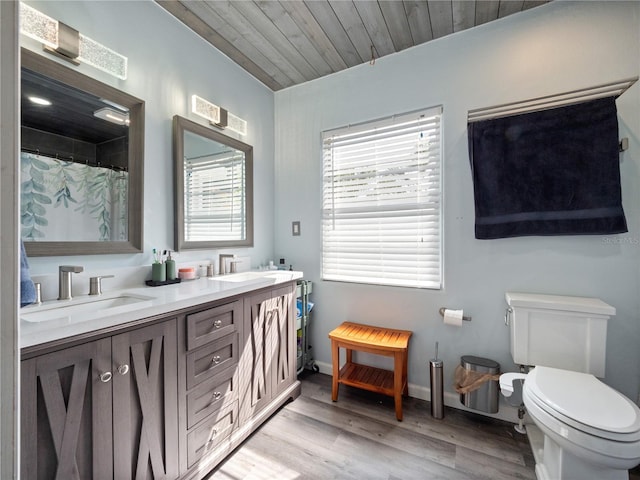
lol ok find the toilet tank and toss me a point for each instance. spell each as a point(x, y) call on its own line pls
point(559, 331)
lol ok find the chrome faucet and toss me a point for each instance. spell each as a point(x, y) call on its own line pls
point(95, 284)
point(64, 280)
point(222, 269)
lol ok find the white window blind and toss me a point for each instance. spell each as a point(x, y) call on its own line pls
point(382, 202)
point(214, 188)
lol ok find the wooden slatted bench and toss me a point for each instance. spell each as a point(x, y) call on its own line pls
point(376, 340)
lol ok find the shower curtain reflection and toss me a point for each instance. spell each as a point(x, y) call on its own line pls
point(62, 200)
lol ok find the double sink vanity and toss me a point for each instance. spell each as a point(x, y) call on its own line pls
point(158, 383)
point(144, 383)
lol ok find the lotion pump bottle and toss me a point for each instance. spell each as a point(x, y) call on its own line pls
point(171, 267)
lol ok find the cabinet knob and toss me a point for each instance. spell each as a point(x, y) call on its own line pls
point(217, 323)
point(123, 369)
point(215, 360)
point(217, 395)
point(105, 377)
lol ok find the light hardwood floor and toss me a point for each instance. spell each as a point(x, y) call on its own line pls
point(358, 437)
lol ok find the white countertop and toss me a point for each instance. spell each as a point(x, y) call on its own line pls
point(151, 301)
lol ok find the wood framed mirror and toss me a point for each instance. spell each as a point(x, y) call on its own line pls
point(213, 176)
point(82, 156)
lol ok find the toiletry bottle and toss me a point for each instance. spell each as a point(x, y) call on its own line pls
point(171, 267)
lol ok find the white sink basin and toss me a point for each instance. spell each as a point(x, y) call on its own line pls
point(84, 307)
point(252, 277)
point(239, 277)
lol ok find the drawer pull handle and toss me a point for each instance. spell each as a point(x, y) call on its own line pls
point(215, 360)
point(217, 323)
point(217, 395)
point(123, 369)
point(105, 377)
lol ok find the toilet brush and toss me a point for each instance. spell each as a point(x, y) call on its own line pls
point(437, 393)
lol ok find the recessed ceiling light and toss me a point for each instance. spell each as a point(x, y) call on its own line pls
point(113, 116)
point(39, 101)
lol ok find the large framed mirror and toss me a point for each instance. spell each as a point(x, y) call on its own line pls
point(213, 188)
point(81, 161)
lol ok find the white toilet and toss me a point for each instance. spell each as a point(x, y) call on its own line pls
point(590, 430)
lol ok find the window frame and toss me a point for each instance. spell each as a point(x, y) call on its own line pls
point(409, 177)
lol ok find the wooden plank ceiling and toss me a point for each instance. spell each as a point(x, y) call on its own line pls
point(288, 42)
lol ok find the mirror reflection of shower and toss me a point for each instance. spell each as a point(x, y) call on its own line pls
point(82, 153)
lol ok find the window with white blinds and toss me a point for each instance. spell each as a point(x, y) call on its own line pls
point(214, 187)
point(381, 202)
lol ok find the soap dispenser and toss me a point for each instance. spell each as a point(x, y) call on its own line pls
point(171, 267)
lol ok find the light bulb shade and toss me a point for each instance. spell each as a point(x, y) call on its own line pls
point(205, 109)
point(103, 58)
point(236, 124)
point(35, 24)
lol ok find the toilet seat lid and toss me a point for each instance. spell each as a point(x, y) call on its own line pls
point(584, 399)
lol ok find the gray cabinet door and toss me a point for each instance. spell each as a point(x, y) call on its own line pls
point(268, 356)
point(145, 411)
point(66, 414)
point(256, 354)
point(283, 334)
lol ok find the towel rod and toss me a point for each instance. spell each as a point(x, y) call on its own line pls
point(613, 89)
point(464, 317)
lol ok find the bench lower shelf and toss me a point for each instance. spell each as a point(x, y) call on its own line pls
point(366, 377)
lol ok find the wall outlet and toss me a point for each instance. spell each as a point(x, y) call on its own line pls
point(295, 229)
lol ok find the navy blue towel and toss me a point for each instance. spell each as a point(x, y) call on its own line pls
point(552, 172)
point(27, 288)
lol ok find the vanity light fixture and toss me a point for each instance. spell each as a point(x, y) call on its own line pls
point(218, 116)
point(112, 115)
point(67, 43)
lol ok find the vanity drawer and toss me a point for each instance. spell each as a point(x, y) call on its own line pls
point(211, 433)
point(212, 359)
point(210, 395)
point(208, 325)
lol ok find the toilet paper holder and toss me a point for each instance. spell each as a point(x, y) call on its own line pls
point(464, 317)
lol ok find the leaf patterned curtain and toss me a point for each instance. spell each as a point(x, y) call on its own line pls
point(67, 201)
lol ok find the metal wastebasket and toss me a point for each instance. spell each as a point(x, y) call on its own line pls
point(485, 398)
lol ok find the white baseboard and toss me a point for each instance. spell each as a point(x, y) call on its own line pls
point(505, 411)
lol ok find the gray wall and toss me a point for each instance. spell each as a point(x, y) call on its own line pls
point(167, 64)
point(551, 49)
